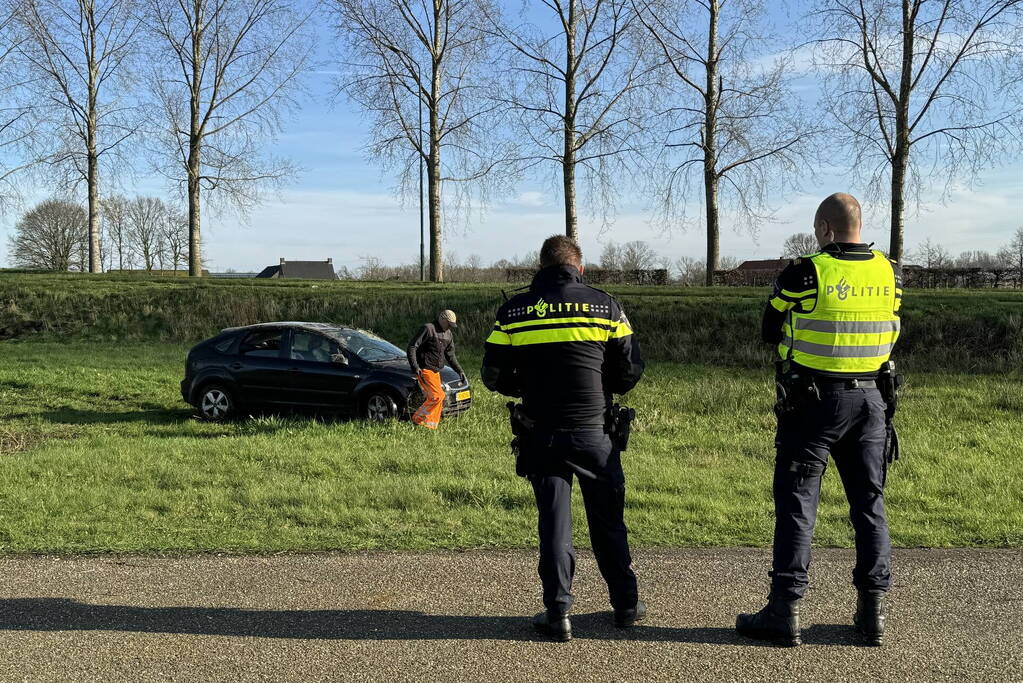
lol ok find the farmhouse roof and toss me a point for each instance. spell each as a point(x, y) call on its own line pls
point(768, 264)
point(303, 270)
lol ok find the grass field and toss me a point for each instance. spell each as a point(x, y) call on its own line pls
point(97, 453)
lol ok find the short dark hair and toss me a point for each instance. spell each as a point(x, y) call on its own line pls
point(560, 250)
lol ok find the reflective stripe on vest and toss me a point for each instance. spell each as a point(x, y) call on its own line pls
point(555, 330)
point(853, 326)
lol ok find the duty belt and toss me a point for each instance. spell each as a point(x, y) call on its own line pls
point(825, 384)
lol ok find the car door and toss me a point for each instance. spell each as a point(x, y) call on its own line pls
point(261, 369)
point(319, 375)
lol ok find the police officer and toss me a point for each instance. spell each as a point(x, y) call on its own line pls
point(834, 316)
point(565, 348)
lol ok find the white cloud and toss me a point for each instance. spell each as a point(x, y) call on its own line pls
point(532, 199)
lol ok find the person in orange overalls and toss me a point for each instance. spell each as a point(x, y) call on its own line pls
point(428, 352)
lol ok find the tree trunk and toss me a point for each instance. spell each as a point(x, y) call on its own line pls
point(710, 183)
point(433, 166)
point(194, 165)
point(194, 214)
point(568, 175)
point(568, 158)
point(95, 265)
point(710, 174)
point(899, 167)
point(92, 158)
point(900, 159)
point(434, 188)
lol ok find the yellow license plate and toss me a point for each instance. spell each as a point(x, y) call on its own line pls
point(463, 395)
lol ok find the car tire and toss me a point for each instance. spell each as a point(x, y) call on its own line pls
point(216, 403)
point(379, 406)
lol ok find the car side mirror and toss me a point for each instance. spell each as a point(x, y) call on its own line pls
point(339, 358)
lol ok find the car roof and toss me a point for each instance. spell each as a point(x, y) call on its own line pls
point(294, 324)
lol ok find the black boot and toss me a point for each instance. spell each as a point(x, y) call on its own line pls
point(554, 625)
point(778, 623)
point(870, 617)
point(624, 618)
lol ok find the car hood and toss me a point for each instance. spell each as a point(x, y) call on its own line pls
point(402, 367)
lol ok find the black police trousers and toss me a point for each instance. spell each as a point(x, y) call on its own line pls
point(848, 424)
point(589, 455)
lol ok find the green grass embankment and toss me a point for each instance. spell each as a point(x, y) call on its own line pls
point(970, 331)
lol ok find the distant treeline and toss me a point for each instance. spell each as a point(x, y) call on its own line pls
point(631, 263)
point(974, 278)
point(952, 331)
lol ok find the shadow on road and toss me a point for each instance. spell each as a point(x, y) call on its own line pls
point(61, 614)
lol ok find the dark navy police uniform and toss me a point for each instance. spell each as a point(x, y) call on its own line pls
point(839, 331)
point(565, 348)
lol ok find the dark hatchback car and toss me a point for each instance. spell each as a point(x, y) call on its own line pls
point(307, 365)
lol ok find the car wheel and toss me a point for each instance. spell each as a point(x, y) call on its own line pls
point(379, 406)
point(216, 403)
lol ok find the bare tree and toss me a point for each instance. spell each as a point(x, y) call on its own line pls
point(799, 244)
point(115, 219)
point(418, 69)
point(17, 120)
point(691, 271)
point(1012, 255)
point(531, 259)
point(977, 259)
point(174, 228)
point(580, 96)
point(51, 236)
point(732, 120)
point(638, 255)
point(146, 216)
point(932, 255)
point(611, 256)
point(224, 73)
point(80, 53)
point(921, 90)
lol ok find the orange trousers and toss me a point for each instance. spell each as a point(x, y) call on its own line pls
point(429, 413)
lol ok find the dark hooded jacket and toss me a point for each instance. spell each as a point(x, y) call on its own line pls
point(432, 348)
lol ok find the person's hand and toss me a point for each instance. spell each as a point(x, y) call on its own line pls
point(462, 376)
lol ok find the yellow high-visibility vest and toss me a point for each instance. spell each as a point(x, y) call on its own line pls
point(852, 325)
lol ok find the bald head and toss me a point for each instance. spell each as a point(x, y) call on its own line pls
point(838, 219)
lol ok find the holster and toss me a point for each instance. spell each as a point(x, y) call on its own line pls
point(888, 383)
point(795, 390)
point(523, 429)
point(619, 426)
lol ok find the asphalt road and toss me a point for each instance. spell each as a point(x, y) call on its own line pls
point(954, 615)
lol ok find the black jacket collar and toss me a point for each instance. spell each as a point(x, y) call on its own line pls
point(844, 247)
point(556, 276)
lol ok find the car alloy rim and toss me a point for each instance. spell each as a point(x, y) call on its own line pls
point(378, 408)
point(215, 403)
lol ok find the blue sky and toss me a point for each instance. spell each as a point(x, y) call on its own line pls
point(342, 206)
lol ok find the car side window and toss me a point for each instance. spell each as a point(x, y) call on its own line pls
point(262, 344)
point(312, 347)
point(225, 345)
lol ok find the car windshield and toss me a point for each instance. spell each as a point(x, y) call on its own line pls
point(367, 346)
